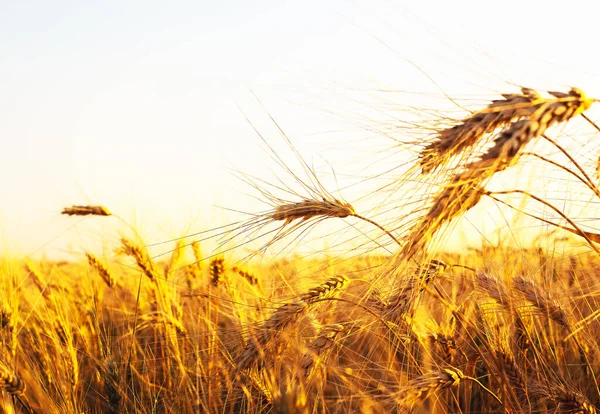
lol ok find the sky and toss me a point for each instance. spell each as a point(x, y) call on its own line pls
point(149, 108)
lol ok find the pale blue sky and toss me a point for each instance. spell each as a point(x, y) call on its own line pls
point(138, 105)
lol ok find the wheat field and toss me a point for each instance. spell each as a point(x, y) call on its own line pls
point(502, 328)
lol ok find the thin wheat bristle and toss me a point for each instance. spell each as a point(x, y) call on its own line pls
point(307, 209)
point(86, 211)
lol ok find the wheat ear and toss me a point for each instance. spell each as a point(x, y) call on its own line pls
point(86, 211)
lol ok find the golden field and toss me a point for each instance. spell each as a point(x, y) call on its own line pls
point(496, 329)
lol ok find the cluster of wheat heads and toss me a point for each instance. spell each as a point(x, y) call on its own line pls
point(499, 329)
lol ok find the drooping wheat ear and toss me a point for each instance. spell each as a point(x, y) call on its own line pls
point(567, 401)
point(86, 211)
point(431, 270)
point(269, 331)
point(217, 268)
point(327, 289)
point(141, 258)
point(158, 318)
point(319, 348)
point(110, 372)
point(407, 292)
point(507, 364)
point(508, 144)
point(197, 254)
point(11, 383)
point(307, 209)
point(253, 280)
point(102, 270)
point(283, 317)
point(6, 319)
point(574, 402)
point(446, 343)
point(403, 298)
point(174, 259)
point(528, 116)
point(493, 288)
point(422, 387)
point(38, 280)
point(452, 201)
point(564, 108)
point(470, 131)
point(541, 300)
point(376, 301)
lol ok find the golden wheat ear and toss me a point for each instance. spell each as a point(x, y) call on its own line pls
point(86, 211)
point(469, 132)
point(307, 209)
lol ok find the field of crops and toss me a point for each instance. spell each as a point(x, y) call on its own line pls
point(502, 328)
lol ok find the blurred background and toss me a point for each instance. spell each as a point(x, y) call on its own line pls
point(152, 109)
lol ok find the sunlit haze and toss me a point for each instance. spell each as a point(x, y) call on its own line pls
point(148, 107)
